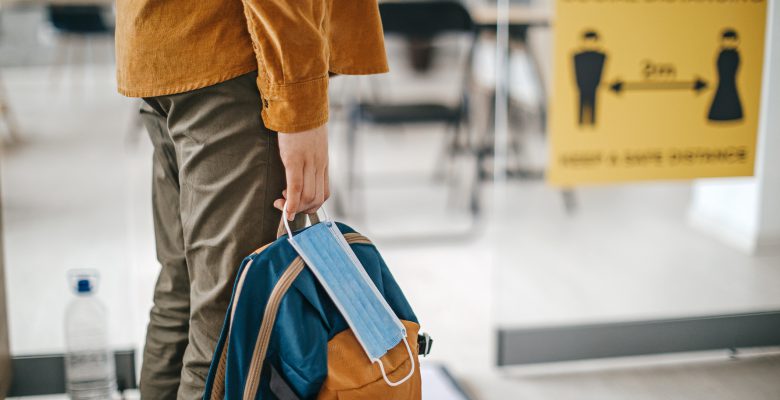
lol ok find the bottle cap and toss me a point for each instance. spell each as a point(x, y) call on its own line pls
point(84, 286)
point(83, 281)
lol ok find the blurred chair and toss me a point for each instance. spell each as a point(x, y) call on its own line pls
point(419, 22)
point(73, 27)
point(80, 19)
point(7, 115)
point(527, 103)
point(527, 90)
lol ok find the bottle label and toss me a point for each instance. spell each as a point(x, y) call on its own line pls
point(88, 365)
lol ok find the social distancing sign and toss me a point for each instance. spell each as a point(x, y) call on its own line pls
point(655, 89)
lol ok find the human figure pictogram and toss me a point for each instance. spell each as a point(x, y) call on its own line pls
point(588, 68)
point(726, 105)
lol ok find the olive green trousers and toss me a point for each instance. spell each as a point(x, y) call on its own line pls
point(216, 174)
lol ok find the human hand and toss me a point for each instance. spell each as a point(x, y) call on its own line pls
point(305, 158)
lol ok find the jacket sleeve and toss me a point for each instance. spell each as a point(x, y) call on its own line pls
point(290, 43)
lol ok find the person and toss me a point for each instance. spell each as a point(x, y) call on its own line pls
point(726, 105)
point(588, 67)
point(235, 103)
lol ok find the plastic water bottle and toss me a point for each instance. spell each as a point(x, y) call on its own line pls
point(89, 363)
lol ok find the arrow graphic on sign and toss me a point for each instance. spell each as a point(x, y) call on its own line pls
point(696, 85)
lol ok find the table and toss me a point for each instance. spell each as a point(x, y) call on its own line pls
point(486, 16)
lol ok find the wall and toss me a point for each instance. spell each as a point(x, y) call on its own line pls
point(745, 212)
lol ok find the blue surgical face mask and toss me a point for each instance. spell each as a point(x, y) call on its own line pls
point(324, 249)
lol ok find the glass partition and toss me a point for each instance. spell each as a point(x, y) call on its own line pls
point(75, 170)
point(442, 162)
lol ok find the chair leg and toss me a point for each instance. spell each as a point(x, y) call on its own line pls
point(136, 126)
point(484, 145)
point(443, 167)
point(447, 175)
point(537, 72)
point(78, 70)
point(351, 153)
point(569, 201)
point(8, 117)
point(61, 59)
point(475, 151)
point(475, 203)
point(10, 123)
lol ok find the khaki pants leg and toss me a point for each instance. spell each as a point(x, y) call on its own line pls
point(166, 336)
point(219, 172)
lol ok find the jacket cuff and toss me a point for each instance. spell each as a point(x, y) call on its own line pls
point(295, 107)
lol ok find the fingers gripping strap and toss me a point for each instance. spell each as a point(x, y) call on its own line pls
point(284, 225)
point(404, 379)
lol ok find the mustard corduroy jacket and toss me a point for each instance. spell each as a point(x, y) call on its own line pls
point(172, 46)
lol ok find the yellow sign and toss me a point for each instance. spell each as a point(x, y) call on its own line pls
point(655, 89)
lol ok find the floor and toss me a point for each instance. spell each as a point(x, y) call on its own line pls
point(743, 379)
point(752, 378)
point(76, 195)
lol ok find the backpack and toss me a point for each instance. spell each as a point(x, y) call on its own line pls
point(284, 338)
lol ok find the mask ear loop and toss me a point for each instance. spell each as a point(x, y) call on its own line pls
point(404, 379)
point(287, 223)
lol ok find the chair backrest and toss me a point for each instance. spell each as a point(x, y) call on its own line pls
point(424, 18)
point(83, 19)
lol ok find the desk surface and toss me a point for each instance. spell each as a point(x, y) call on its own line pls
point(518, 15)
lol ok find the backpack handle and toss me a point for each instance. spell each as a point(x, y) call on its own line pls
point(284, 224)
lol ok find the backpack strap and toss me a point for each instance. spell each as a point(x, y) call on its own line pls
point(266, 327)
point(218, 388)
